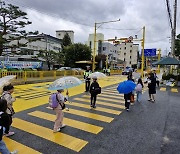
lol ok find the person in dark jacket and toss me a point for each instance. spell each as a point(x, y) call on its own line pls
point(94, 90)
point(4, 126)
point(127, 98)
point(152, 87)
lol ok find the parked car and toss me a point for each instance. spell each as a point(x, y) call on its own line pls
point(127, 70)
point(77, 69)
point(64, 68)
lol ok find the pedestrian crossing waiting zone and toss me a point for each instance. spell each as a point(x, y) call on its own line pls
point(82, 123)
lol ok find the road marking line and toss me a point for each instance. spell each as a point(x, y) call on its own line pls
point(174, 90)
point(62, 139)
point(110, 93)
point(162, 89)
point(114, 91)
point(88, 115)
point(97, 109)
point(70, 122)
point(111, 96)
point(101, 103)
point(13, 145)
point(106, 99)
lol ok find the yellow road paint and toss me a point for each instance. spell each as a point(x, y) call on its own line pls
point(105, 99)
point(162, 89)
point(111, 93)
point(89, 115)
point(101, 103)
point(22, 149)
point(70, 122)
point(174, 90)
point(97, 109)
point(111, 96)
point(58, 138)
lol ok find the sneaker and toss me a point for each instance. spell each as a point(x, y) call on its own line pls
point(63, 125)
point(149, 99)
point(9, 134)
point(153, 101)
point(94, 107)
point(127, 110)
point(14, 152)
point(58, 130)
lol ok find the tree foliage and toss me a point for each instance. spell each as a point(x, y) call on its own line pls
point(66, 41)
point(76, 52)
point(177, 46)
point(12, 24)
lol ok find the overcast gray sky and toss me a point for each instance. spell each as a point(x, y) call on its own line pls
point(47, 16)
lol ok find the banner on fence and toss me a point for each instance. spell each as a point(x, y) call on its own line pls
point(20, 64)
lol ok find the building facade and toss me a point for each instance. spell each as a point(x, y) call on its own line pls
point(128, 52)
point(60, 34)
point(90, 43)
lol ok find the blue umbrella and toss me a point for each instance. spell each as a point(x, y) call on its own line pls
point(126, 87)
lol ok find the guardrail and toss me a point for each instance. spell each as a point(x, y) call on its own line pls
point(39, 76)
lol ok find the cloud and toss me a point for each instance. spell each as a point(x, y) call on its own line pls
point(80, 15)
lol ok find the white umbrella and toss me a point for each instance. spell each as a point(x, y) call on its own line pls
point(65, 83)
point(5, 81)
point(97, 74)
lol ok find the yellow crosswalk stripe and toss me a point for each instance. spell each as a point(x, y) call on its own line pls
point(111, 93)
point(58, 138)
point(101, 103)
point(106, 99)
point(70, 122)
point(162, 89)
point(97, 109)
point(111, 96)
point(89, 115)
point(111, 88)
point(13, 145)
point(174, 90)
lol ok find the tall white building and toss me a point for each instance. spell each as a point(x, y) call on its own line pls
point(90, 43)
point(60, 34)
point(128, 52)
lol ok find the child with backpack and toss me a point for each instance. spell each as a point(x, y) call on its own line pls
point(4, 126)
point(57, 102)
point(95, 89)
point(7, 95)
point(138, 89)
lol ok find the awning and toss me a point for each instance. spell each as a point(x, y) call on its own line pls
point(167, 61)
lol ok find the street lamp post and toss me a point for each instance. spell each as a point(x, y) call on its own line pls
point(94, 50)
point(142, 54)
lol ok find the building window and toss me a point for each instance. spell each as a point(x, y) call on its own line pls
point(130, 57)
point(104, 48)
point(130, 62)
point(90, 43)
point(124, 48)
point(120, 48)
point(124, 59)
point(130, 45)
point(124, 53)
point(130, 51)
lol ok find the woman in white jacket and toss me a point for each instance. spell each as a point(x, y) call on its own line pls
point(7, 95)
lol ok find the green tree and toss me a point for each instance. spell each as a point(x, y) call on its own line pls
point(177, 46)
point(66, 41)
point(49, 56)
point(76, 52)
point(12, 24)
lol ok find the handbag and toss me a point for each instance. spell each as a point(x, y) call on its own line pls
point(132, 98)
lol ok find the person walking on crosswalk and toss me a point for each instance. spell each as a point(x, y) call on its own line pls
point(7, 95)
point(59, 110)
point(95, 89)
point(4, 126)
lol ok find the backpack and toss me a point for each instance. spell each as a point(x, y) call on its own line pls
point(139, 87)
point(53, 102)
point(98, 90)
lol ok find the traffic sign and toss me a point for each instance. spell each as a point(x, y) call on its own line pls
point(149, 52)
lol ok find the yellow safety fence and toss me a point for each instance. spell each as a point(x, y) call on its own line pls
point(24, 76)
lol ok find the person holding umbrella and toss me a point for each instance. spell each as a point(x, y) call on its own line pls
point(126, 88)
point(59, 110)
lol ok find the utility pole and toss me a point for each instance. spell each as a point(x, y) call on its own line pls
point(142, 53)
point(94, 50)
point(174, 26)
point(159, 57)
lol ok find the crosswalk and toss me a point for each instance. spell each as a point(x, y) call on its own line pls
point(80, 119)
point(173, 90)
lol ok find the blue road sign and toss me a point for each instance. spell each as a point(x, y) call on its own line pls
point(149, 52)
